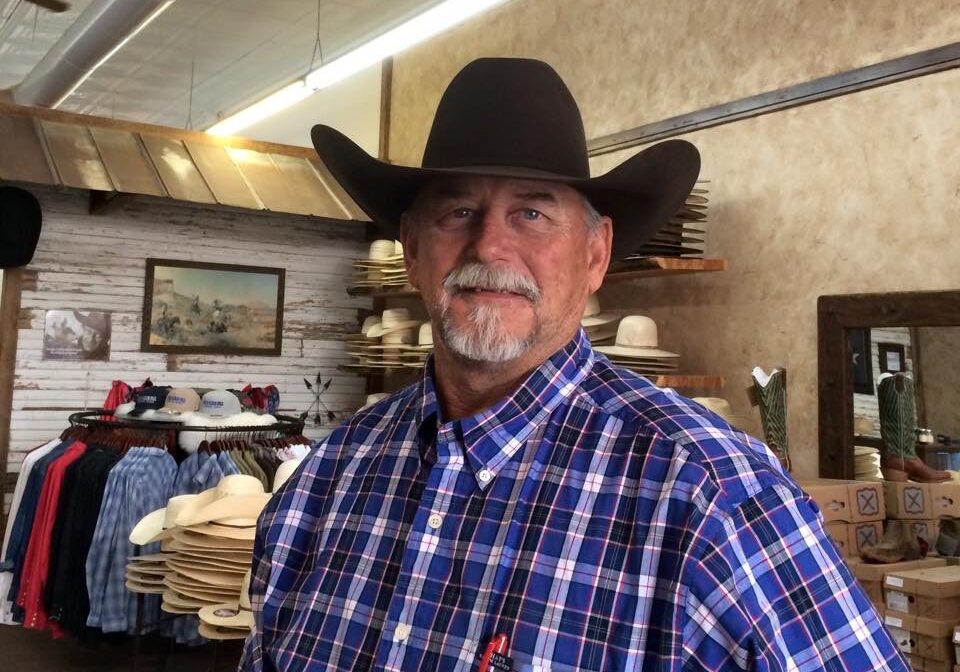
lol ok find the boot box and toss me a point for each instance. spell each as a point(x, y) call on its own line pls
point(864, 534)
point(840, 536)
point(847, 501)
point(927, 529)
point(928, 665)
point(870, 576)
point(932, 593)
point(945, 499)
point(907, 501)
point(900, 627)
point(934, 639)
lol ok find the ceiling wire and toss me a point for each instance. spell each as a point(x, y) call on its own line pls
point(193, 67)
point(10, 14)
point(317, 47)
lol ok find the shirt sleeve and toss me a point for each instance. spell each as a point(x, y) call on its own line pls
point(768, 591)
point(252, 658)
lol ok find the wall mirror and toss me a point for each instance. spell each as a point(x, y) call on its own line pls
point(862, 336)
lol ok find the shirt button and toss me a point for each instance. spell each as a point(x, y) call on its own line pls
point(401, 633)
point(435, 521)
point(484, 475)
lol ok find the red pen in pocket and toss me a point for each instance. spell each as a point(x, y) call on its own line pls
point(495, 658)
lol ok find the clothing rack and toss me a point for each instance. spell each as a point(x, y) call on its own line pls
point(103, 419)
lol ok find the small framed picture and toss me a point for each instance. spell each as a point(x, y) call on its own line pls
point(893, 358)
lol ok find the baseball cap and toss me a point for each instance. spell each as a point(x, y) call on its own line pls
point(180, 400)
point(220, 404)
point(148, 399)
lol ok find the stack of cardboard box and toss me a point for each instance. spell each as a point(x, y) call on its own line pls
point(923, 504)
point(853, 511)
point(922, 614)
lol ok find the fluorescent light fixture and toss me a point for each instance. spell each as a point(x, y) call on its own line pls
point(143, 24)
point(280, 100)
point(432, 22)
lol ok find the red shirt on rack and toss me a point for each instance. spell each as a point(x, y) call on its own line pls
point(36, 563)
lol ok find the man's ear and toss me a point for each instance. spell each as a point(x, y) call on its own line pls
point(408, 238)
point(599, 245)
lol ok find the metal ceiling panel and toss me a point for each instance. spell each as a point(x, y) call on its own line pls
point(304, 181)
point(75, 156)
point(267, 182)
point(127, 164)
point(22, 157)
point(348, 206)
point(222, 175)
point(177, 171)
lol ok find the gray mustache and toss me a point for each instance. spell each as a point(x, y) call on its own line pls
point(491, 278)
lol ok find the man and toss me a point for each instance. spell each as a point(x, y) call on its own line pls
point(526, 495)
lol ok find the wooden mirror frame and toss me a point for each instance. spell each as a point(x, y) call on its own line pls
point(836, 314)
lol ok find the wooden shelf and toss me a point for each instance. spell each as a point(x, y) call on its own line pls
point(664, 266)
point(379, 370)
point(688, 382)
point(643, 268)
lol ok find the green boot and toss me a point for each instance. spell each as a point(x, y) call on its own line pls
point(897, 405)
point(771, 394)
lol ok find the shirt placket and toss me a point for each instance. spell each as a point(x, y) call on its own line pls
point(401, 636)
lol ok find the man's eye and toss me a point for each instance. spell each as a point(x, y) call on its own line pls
point(462, 213)
point(530, 214)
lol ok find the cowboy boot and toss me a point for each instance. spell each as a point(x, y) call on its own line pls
point(898, 544)
point(948, 540)
point(899, 462)
point(771, 394)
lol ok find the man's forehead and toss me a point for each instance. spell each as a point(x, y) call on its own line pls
point(476, 185)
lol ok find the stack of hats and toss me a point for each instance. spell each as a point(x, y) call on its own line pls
point(682, 236)
point(636, 348)
point(228, 620)
point(415, 356)
point(381, 343)
point(601, 327)
point(866, 459)
point(145, 573)
point(383, 266)
point(722, 407)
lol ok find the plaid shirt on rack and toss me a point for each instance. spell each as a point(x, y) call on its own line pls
point(600, 522)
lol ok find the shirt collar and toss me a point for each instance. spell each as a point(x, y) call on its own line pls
point(491, 437)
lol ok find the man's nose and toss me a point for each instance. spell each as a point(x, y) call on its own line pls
point(493, 237)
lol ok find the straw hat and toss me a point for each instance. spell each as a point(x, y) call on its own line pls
point(184, 601)
point(636, 338)
point(286, 469)
point(145, 588)
point(236, 614)
point(218, 532)
point(197, 539)
point(236, 511)
point(148, 559)
point(186, 563)
point(398, 339)
point(232, 486)
point(425, 337)
point(592, 317)
point(722, 407)
point(220, 633)
point(158, 525)
point(391, 320)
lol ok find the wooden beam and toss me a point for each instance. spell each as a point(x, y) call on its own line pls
point(47, 114)
point(851, 81)
point(9, 316)
point(386, 97)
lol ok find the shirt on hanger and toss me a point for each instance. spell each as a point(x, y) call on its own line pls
point(6, 577)
point(140, 483)
point(598, 521)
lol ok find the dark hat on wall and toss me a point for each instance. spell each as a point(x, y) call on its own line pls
point(20, 219)
point(515, 117)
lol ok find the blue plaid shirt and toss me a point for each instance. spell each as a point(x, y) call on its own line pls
point(600, 522)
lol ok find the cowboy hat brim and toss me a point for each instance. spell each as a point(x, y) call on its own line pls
point(640, 195)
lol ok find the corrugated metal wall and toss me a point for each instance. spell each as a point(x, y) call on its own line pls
point(97, 262)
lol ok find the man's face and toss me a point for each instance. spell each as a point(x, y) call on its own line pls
point(504, 265)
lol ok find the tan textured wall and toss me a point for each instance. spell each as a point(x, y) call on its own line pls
point(940, 365)
point(855, 194)
point(630, 62)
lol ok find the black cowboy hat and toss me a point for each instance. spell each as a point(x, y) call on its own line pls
point(20, 219)
point(514, 117)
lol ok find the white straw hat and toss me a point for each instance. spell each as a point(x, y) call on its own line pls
point(234, 485)
point(158, 525)
point(284, 472)
point(592, 317)
point(722, 407)
point(391, 320)
point(636, 337)
point(237, 614)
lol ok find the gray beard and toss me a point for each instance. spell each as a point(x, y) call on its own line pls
point(487, 340)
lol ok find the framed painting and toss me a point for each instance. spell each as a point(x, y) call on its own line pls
point(201, 308)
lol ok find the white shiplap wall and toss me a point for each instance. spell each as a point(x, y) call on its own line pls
point(97, 262)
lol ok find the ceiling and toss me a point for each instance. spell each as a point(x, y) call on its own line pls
point(235, 52)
